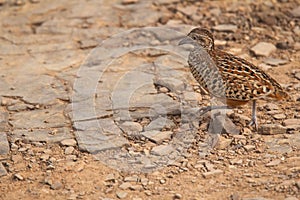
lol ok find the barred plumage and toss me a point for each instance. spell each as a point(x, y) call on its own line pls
point(224, 75)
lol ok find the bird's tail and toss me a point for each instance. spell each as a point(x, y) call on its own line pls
point(280, 94)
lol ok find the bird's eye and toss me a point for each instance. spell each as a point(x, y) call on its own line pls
point(194, 37)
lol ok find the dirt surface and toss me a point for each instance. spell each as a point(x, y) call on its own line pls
point(42, 47)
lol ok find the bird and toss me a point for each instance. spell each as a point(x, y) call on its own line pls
point(228, 77)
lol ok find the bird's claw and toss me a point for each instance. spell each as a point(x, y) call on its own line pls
point(253, 123)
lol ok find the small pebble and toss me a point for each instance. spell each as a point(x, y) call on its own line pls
point(273, 163)
point(110, 177)
point(148, 192)
point(131, 179)
point(56, 185)
point(249, 147)
point(19, 177)
point(126, 2)
point(279, 116)
point(177, 196)
point(121, 194)
point(3, 171)
point(263, 49)
point(271, 129)
point(69, 142)
point(212, 173)
point(125, 185)
point(162, 181)
point(69, 150)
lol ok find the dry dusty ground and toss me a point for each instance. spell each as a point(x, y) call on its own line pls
point(253, 165)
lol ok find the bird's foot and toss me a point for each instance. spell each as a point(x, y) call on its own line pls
point(253, 123)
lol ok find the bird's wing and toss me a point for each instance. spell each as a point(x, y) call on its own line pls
point(243, 80)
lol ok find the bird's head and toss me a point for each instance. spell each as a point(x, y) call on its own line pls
point(199, 36)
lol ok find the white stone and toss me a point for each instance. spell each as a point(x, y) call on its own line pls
point(263, 49)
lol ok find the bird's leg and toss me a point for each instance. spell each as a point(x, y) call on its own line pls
point(204, 110)
point(253, 121)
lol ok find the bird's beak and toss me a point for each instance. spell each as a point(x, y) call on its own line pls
point(186, 40)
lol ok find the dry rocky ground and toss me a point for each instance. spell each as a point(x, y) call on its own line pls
point(72, 129)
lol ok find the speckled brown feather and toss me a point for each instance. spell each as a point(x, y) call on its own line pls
point(240, 80)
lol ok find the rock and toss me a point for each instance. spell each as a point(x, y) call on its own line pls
point(292, 124)
point(4, 146)
point(19, 177)
point(44, 157)
point(296, 12)
point(297, 75)
point(69, 150)
point(249, 147)
point(177, 196)
point(110, 177)
point(148, 192)
point(16, 158)
point(209, 166)
point(157, 136)
point(129, 127)
point(192, 96)
point(71, 158)
point(282, 149)
point(39, 119)
point(222, 124)
point(95, 141)
point(273, 163)
point(162, 181)
point(263, 49)
point(140, 17)
point(236, 161)
point(159, 124)
point(144, 181)
point(279, 116)
point(283, 45)
point(56, 185)
point(275, 61)
point(225, 28)
point(50, 135)
point(243, 119)
point(235, 196)
point(133, 178)
point(125, 185)
point(121, 194)
point(223, 143)
point(162, 150)
point(48, 180)
point(17, 107)
point(3, 171)
point(212, 173)
point(69, 142)
point(271, 106)
point(163, 90)
point(162, 2)
point(174, 85)
point(271, 129)
point(154, 105)
point(188, 10)
point(126, 2)
point(137, 187)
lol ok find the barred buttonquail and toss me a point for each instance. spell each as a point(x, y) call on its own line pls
point(226, 76)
